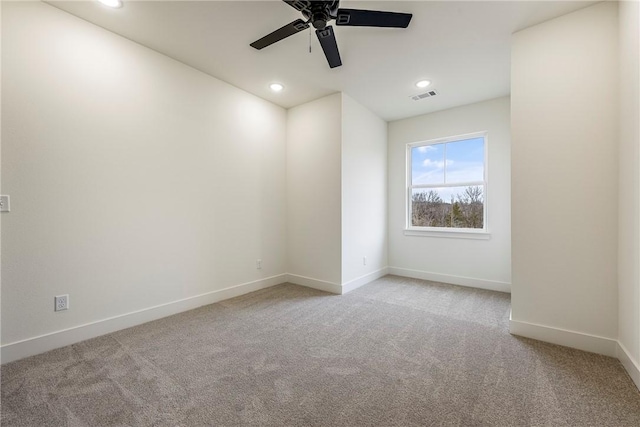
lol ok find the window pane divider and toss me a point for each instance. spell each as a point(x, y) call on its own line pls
point(454, 184)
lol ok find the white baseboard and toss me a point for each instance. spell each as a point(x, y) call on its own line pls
point(632, 366)
point(491, 285)
point(29, 347)
point(363, 280)
point(573, 339)
point(40, 344)
point(309, 282)
point(32, 346)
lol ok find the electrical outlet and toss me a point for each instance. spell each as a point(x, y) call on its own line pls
point(364, 260)
point(4, 204)
point(259, 264)
point(62, 302)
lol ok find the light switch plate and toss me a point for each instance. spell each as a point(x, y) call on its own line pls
point(4, 204)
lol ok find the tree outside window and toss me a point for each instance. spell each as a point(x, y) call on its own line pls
point(447, 183)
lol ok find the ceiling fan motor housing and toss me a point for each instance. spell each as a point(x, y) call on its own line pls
point(320, 12)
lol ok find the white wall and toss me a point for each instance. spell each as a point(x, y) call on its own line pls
point(314, 193)
point(135, 180)
point(364, 191)
point(564, 173)
point(480, 263)
point(629, 182)
point(0, 185)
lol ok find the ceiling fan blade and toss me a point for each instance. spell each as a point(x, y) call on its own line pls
point(299, 5)
point(329, 45)
point(372, 18)
point(281, 33)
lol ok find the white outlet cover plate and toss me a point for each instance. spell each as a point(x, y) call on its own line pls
point(4, 204)
point(61, 302)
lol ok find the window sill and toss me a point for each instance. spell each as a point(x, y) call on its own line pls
point(449, 234)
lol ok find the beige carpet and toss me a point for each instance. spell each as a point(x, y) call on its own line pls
point(397, 352)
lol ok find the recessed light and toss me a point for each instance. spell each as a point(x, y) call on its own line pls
point(276, 87)
point(111, 3)
point(423, 83)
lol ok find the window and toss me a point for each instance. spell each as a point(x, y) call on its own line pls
point(447, 184)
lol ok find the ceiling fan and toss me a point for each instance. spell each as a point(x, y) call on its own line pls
point(318, 13)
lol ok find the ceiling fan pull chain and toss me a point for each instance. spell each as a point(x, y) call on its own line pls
point(309, 40)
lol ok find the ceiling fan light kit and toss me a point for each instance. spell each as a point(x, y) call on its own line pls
point(319, 13)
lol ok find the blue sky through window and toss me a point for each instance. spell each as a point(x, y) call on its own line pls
point(427, 164)
point(464, 162)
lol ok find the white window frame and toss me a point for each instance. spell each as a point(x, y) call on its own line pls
point(465, 233)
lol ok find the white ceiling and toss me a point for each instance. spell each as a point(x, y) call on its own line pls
point(462, 47)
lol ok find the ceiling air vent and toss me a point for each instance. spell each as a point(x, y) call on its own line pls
point(427, 94)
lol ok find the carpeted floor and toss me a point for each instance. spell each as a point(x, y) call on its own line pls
point(396, 352)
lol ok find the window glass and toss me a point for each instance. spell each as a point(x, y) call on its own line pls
point(448, 186)
point(465, 160)
point(427, 165)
